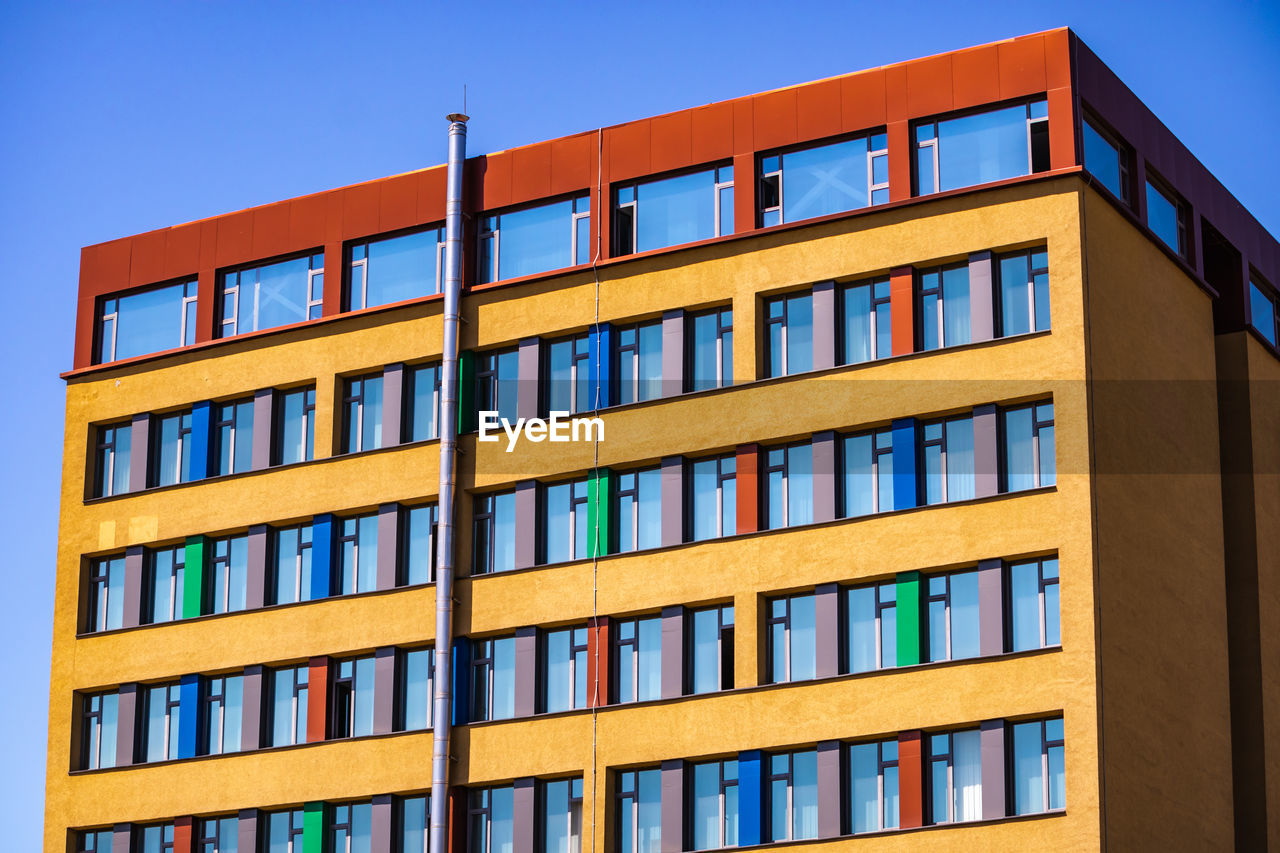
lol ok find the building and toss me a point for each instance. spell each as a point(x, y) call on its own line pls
point(936, 504)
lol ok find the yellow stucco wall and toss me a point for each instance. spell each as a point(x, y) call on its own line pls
point(738, 569)
point(1160, 566)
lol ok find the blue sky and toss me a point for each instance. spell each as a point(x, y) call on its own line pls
point(123, 117)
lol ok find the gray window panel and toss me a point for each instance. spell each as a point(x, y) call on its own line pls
point(147, 321)
point(395, 269)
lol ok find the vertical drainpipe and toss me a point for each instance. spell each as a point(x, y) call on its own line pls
point(441, 721)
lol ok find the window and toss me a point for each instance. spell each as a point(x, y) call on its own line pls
point(1039, 768)
point(948, 460)
point(147, 321)
point(561, 816)
point(824, 179)
point(362, 413)
point(944, 307)
point(99, 718)
point(160, 722)
point(497, 383)
point(218, 835)
point(420, 544)
point(639, 510)
point(711, 350)
point(351, 828)
point(157, 839)
point(162, 585)
point(789, 472)
point(866, 325)
point(873, 785)
point(955, 776)
point(414, 691)
point(95, 841)
point(223, 711)
point(639, 811)
point(285, 832)
point(867, 461)
point(789, 333)
point(670, 211)
point(1167, 217)
point(982, 147)
point(715, 805)
point(535, 239)
point(394, 269)
point(112, 468)
point(564, 534)
point(106, 594)
point(638, 646)
point(951, 606)
point(171, 457)
point(1263, 314)
point(295, 427)
point(352, 709)
point(493, 677)
point(871, 631)
point(492, 818)
point(564, 670)
point(793, 650)
point(291, 577)
point(289, 706)
point(1024, 292)
point(230, 581)
point(1029, 447)
point(712, 650)
point(414, 825)
point(638, 362)
point(714, 498)
point(1033, 590)
point(793, 795)
point(233, 434)
point(495, 533)
point(358, 549)
point(423, 416)
point(568, 387)
point(277, 294)
point(1107, 159)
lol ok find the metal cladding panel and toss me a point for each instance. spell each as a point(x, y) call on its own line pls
point(673, 645)
point(263, 410)
point(910, 780)
point(830, 807)
point(991, 607)
point(251, 708)
point(384, 690)
point(256, 582)
point(392, 404)
point(672, 353)
point(991, 738)
point(672, 525)
point(126, 723)
point(133, 561)
point(322, 536)
point(986, 452)
point(981, 298)
point(750, 797)
point(904, 463)
point(188, 716)
point(908, 617)
point(824, 476)
point(673, 803)
point(824, 325)
point(388, 545)
point(528, 371)
point(201, 433)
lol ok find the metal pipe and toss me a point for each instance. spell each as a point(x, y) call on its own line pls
point(441, 721)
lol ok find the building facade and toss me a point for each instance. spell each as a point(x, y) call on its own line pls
point(935, 506)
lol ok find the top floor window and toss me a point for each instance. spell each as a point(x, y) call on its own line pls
point(670, 211)
point(1167, 216)
point(824, 179)
point(146, 321)
point(535, 239)
point(1262, 312)
point(272, 295)
point(1107, 159)
point(711, 350)
point(978, 148)
point(395, 269)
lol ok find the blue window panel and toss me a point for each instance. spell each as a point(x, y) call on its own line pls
point(750, 798)
point(601, 366)
point(201, 421)
point(188, 716)
point(460, 713)
point(321, 556)
point(904, 463)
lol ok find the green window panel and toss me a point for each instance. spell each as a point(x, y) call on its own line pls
point(908, 618)
point(600, 487)
point(313, 828)
point(193, 578)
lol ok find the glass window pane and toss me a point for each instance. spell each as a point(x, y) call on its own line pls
point(1028, 772)
point(1102, 159)
point(1018, 457)
point(960, 476)
point(983, 147)
point(675, 210)
point(401, 268)
point(1262, 312)
point(1162, 217)
point(823, 180)
point(804, 647)
point(1015, 295)
point(965, 640)
point(147, 321)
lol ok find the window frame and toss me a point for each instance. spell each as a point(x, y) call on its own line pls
point(172, 719)
point(784, 324)
point(489, 228)
point(579, 499)
point(345, 689)
point(278, 427)
point(626, 209)
point(1032, 272)
point(299, 697)
point(107, 310)
point(1038, 425)
point(107, 456)
point(725, 783)
point(1124, 154)
point(784, 622)
point(1041, 124)
point(723, 340)
point(351, 530)
point(627, 802)
point(413, 372)
point(226, 419)
point(1043, 582)
point(1181, 210)
point(93, 727)
point(99, 602)
point(624, 646)
point(352, 262)
point(1046, 745)
point(579, 373)
point(880, 295)
point(946, 599)
point(721, 462)
point(355, 409)
point(182, 450)
point(484, 670)
point(226, 290)
point(207, 842)
point(882, 800)
point(484, 531)
point(771, 173)
point(943, 472)
point(301, 557)
point(578, 669)
point(947, 758)
point(213, 699)
point(783, 469)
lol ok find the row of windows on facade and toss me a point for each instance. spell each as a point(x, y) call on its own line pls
point(832, 475)
point(793, 185)
point(990, 771)
point(613, 364)
point(997, 608)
